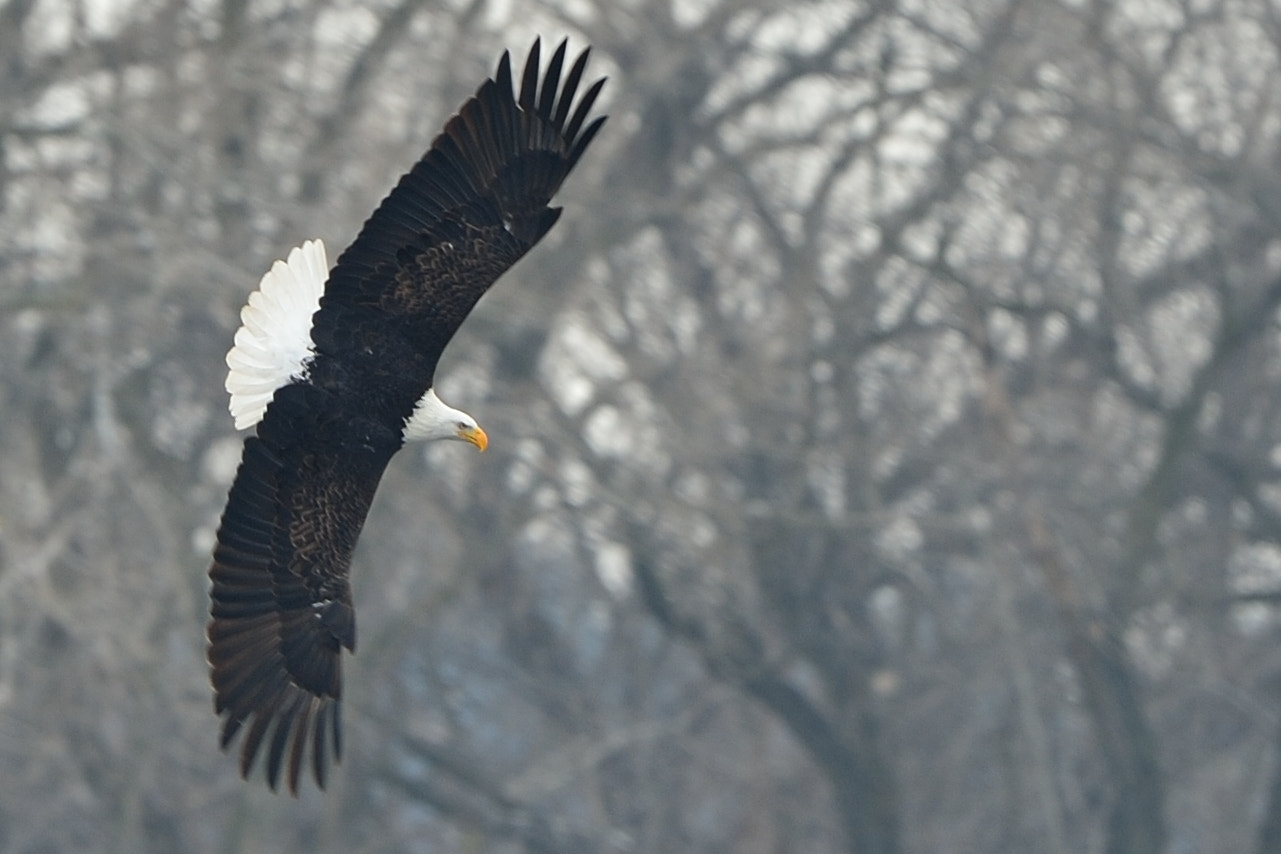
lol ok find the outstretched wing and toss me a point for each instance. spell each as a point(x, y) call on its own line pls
point(474, 204)
point(282, 608)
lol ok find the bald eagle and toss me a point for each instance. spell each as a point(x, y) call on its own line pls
point(335, 369)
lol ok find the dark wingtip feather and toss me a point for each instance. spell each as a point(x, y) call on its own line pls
point(571, 86)
point(529, 80)
point(581, 145)
point(249, 749)
point(319, 757)
point(297, 752)
point(551, 81)
point(337, 731)
point(584, 107)
point(292, 728)
point(229, 730)
point(504, 76)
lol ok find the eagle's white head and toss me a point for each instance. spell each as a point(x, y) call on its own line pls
point(433, 419)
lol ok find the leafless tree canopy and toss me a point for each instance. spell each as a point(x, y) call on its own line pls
point(886, 445)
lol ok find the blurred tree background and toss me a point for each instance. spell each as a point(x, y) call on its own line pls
point(886, 453)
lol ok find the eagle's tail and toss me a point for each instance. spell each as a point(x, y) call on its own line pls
point(274, 340)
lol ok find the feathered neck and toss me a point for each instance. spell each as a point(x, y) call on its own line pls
point(432, 419)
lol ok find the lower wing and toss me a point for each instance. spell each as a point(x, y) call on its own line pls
point(281, 603)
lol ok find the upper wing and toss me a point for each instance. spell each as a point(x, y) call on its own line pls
point(281, 602)
point(474, 204)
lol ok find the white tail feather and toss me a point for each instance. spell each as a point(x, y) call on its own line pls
point(274, 340)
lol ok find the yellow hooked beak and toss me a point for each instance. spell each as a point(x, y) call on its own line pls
point(475, 435)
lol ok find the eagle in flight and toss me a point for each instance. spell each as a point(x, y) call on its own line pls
point(335, 368)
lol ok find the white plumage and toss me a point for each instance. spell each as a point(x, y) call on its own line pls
point(432, 419)
point(273, 343)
